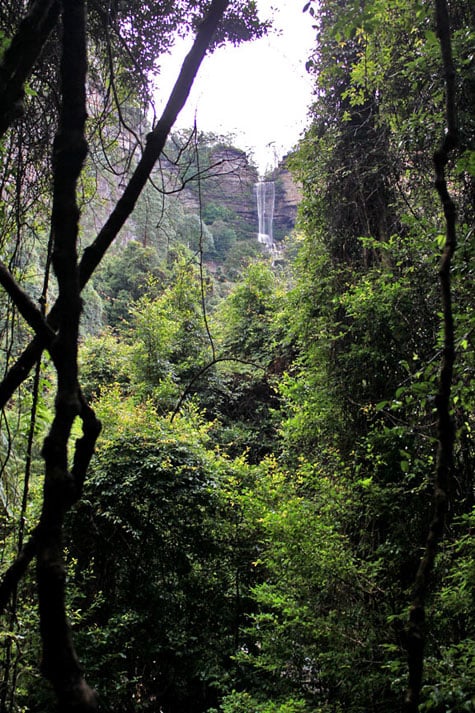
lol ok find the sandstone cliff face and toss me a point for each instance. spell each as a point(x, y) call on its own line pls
point(233, 186)
point(287, 199)
point(227, 182)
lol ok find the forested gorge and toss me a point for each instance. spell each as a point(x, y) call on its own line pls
point(232, 483)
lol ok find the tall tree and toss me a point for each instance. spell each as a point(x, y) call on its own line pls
point(360, 396)
point(65, 24)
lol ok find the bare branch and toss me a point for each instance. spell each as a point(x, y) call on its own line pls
point(17, 374)
point(20, 57)
point(60, 664)
point(25, 304)
point(203, 371)
point(155, 142)
point(154, 146)
point(84, 446)
point(15, 572)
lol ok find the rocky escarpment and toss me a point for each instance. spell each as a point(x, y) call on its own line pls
point(234, 186)
point(231, 185)
point(229, 182)
point(287, 199)
point(212, 180)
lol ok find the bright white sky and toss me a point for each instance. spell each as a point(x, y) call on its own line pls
point(259, 91)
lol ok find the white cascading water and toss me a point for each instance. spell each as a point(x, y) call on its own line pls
point(265, 192)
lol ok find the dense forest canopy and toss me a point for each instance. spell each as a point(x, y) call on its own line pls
point(235, 480)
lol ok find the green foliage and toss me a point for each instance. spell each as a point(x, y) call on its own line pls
point(280, 572)
point(124, 46)
point(451, 660)
point(224, 238)
point(319, 608)
point(125, 277)
point(240, 256)
point(169, 338)
point(214, 211)
point(104, 360)
point(159, 563)
point(248, 313)
point(359, 399)
point(254, 554)
point(92, 316)
point(243, 702)
point(239, 392)
point(196, 235)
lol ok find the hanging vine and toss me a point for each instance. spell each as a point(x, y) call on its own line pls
point(415, 638)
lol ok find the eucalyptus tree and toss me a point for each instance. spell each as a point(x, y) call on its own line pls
point(44, 66)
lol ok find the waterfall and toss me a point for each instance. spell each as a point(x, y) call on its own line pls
point(265, 193)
